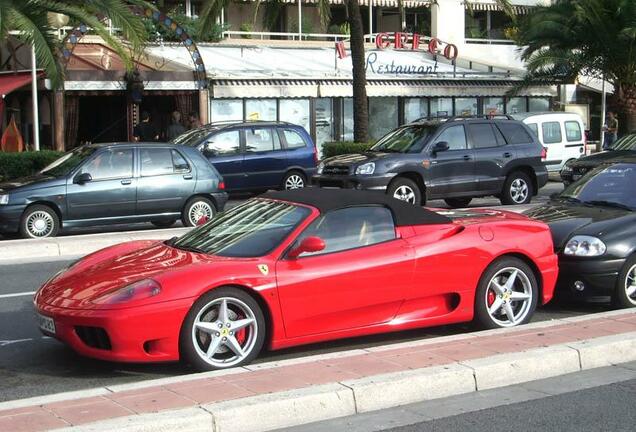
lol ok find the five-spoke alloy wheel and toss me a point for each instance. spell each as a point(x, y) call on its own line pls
point(517, 189)
point(507, 294)
point(224, 328)
point(406, 190)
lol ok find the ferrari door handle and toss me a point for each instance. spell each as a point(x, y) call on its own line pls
point(507, 154)
point(467, 157)
point(187, 176)
point(126, 181)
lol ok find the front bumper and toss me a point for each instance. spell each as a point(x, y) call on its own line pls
point(599, 277)
point(10, 216)
point(366, 182)
point(148, 333)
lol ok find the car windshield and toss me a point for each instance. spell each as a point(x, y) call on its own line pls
point(628, 142)
point(251, 229)
point(192, 138)
point(68, 162)
point(408, 139)
point(609, 186)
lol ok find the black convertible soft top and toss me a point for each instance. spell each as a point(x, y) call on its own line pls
point(332, 199)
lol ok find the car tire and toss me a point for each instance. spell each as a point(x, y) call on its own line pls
point(203, 326)
point(163, 223)
point(625, 292)
point(517, 189)
point(197, 208)
point(405, 190)
point(496, 300)
point(39, 221)
point(458, 202)
point(294, 180)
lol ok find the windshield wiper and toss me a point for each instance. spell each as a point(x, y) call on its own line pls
point(569, 199)
point(609, 204)
point(387, 150)
point(185, 248)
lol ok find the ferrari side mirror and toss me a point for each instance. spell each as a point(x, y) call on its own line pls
point(308, 244)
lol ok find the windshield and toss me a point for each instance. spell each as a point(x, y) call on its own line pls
point(68, 162)
point(610, 186)
point(409, 139)
point(192, 138)
point(628, 142)
point(251, 229)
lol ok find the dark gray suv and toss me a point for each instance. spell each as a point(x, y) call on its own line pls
point(113, 183)
point(456, 159)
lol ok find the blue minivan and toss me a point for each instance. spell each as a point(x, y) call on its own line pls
point(256, 155)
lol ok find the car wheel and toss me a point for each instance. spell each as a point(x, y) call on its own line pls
point(458, 202)
point(198, 208)
point(39, 221)
point(625, 293)
point(517, 189)
point(405, 190)
point(163, 223)
point(507, 294)
point(224, 328)
point(294, 180)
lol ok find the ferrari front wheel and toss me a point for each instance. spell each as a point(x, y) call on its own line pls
point(507, 294)
point(224, 328)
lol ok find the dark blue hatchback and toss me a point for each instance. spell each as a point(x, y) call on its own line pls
point(256, 155)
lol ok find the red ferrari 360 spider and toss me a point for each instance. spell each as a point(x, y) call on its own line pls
point(296, 267)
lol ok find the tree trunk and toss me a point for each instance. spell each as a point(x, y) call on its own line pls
point(625, 98)
point(360, 108)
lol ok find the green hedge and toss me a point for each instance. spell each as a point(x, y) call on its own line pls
point(14, 165)
point(344, 147)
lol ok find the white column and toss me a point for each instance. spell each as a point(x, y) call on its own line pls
point(34, 97)
point(370, 20)
point(603, 114)
point(188, 8)
point(448, 21)
point(300, 19)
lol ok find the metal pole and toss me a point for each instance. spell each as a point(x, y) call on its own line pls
point(300, 20)
point(370, 20)
point(34, 97)
point(603, 108)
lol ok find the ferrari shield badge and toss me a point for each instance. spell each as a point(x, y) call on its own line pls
point(264, 269)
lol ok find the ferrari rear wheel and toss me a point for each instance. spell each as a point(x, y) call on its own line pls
point(625, 293)
point(507, 294)
point(224, 328)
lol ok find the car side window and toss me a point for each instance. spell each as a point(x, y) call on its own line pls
point(259, 140)
point(224, 143)
point(351, 228)
point(155, 161)
point(179, 163)
point(110, 164)
point(293, 139)
point(534, 128)
point(551, 132)
point(483, 135)
point(514, 133)
point(573, 131)
point(455, 136)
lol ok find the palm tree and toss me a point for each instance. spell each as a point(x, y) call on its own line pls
point(595, 38)
point(28, 21)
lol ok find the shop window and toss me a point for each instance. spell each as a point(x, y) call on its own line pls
point(441, 107)
point(324, 122)
point(347, 119)
point(260, 109)
point(493, 105)
point(539, 104)
point(516, 105)
point(295, 111)
point(465, 106)
point(383, 116)
point(415, 108)
point(226, 109)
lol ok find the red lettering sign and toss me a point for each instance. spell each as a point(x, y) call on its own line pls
point(400, 41)
point(381, 41)
point(450, 52)
point(340, 49)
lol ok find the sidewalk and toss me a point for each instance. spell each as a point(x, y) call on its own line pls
point(274, 395)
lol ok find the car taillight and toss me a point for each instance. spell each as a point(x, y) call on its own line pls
point(221, 185)
point(544, 153)
point(315, 154)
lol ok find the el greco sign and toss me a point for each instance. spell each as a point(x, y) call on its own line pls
point(416, 42)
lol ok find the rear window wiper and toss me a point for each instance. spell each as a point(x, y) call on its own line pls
point(610, 204)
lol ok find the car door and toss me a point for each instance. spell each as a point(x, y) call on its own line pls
point(359, 279)
point(492, 153)
point(264, 161)
point(166, 180)
point(552, 139)
point(112, 190)
point(225, 151)
point(451, 171)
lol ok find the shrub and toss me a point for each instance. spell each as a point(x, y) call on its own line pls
point(15, 165)
point(344, 147)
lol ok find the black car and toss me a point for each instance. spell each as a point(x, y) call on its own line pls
point(574, 170)
point(113, 183)
point(593, 224)
point(456, 159)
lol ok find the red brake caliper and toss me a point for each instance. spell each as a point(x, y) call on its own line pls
point(241, 335)
point(491, 297)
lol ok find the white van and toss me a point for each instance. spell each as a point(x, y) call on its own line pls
point(561, 133)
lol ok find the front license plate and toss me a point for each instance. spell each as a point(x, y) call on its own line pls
point(46, 324)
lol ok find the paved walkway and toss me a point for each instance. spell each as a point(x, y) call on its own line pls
point(192, 391)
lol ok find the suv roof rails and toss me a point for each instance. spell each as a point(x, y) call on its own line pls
point(233, 122)
point(470, 117)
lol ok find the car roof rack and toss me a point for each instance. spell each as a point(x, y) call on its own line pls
point(234, 122)
point(470, 117)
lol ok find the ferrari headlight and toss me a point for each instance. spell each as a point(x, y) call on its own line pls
point(321, 166)
point(4, 199)
point(139, 290)
point(585, 246)
point(367, 168)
